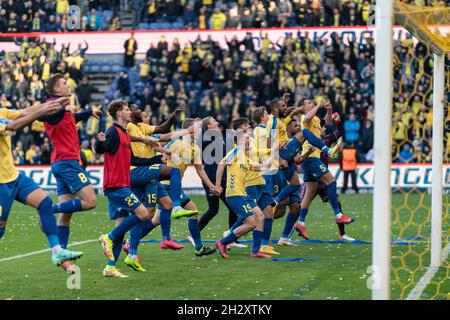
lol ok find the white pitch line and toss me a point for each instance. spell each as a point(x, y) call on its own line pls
point(426, 278)
point(45, 250)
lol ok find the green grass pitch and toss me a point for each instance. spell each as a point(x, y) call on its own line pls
point(339, 274)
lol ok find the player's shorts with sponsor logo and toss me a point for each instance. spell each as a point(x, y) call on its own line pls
point(70, 177)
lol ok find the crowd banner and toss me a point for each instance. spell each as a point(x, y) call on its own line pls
point(403, 176)
point(111, 42)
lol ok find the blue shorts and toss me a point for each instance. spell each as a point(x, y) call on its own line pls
point(184, 198)
point(261, 195)
point(293, 147)
point(277, 182)
point(242, 206)
point(313, 169)
point(142, 176)
point(19, 190)
point(70, 177)
point(150, 194)
point(121, 201)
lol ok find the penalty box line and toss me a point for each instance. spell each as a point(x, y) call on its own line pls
point(44, 250)
point(426, 278)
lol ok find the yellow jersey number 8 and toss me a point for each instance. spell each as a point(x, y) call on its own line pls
point(82, 177)
point(131, 200)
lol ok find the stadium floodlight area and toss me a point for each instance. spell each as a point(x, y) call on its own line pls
point(419, 270)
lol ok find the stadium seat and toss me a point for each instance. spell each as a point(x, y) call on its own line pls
point(95, 69)
point(106, 68)
point(177, 25)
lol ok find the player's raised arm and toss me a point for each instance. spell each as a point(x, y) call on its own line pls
point(48, 108)
point(312, 113)
point(165, 127)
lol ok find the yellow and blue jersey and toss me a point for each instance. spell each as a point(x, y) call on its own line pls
point(183, 154)
point(258, 150)
point(237, 171)
point(139, 149)
point(8, 171)
point(315, 127)
point(276, 128)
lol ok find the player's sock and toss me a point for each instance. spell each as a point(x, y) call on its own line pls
point(48, 223)
point(268, 222)
point(165, 224)
point(135, 237)
point(286, 191)
point(63, 235)
point(117, 248)
point(314, 141)
point(332, 197)
point(195, 233)
point(148, 226)
point(229, 238)
point(2, 232)
point(175, 186)
point(257, 237)
point(303, 213)
point(68, 206)
point(126, 225)
point(289, 224)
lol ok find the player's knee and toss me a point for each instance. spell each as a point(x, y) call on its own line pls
point(90, 203)
point(46, 205)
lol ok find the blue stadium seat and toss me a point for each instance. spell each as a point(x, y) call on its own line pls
point(116, 68)
point(95, 69)
point(166, 26)
point(106, 68)
point(177, 25)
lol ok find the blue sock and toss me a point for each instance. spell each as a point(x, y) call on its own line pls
point(148, 226)
point(314, 141)
point(289, 224)
point(332, 197)
point(303, 213)
point(126, 225)
point(165, 224)
point(286, 191)
point(63, 235)
point(195, 233)
point(175, 186)
point(68, 206)
point(229, 238)
point(117, 248)
point(257, 237)
point(2, 232)
point(135, 237)
point(48, 222)
point(267, 231)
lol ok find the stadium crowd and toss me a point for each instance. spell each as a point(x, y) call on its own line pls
point(231, 82)
point(93, 15)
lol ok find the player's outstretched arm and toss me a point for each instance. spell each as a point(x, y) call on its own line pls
point(219, 174)
point(312, 113)
point(165, 127)
point(48, 108)
point(329, 115)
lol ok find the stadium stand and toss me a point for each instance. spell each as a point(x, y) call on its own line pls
point(229, 82)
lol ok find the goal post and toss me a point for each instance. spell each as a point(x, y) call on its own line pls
point(381, 249)
point(438, 159)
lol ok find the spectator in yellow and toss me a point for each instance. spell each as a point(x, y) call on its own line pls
point(202, 18)
point(31, 152)
point(144, 70)
point(87, 151)
point(45, 70)
point(75, 58)
point(62, 6)
point(218, 20)
point(36, 87)
point(4, 103)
